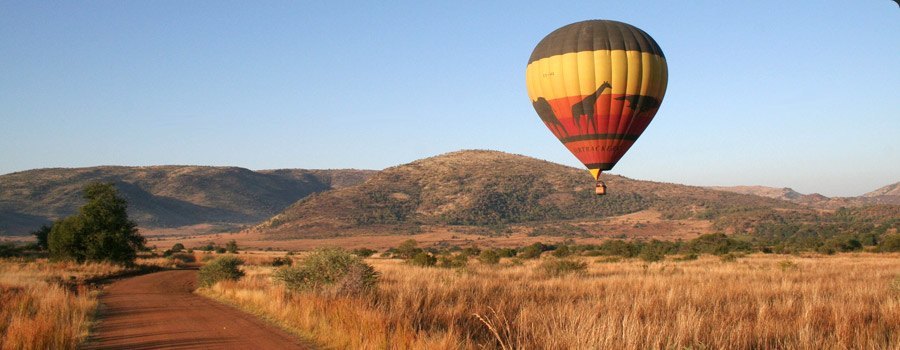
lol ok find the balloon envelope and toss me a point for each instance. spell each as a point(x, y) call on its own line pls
point(597, 85)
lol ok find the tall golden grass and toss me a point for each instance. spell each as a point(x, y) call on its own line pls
point(45, 305)
point(759, 301)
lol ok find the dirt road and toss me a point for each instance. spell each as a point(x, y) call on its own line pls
point(158, 310)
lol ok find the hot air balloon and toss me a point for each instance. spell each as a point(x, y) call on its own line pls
point(597, 85)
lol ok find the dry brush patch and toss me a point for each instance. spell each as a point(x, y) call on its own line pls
point(844, 301)
point(46, 305)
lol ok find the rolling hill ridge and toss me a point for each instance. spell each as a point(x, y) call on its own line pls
point(889, 194)
point(485, 191)
point(495, 189)
point(165, 196)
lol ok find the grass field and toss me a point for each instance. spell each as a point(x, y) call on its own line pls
point(758, 301)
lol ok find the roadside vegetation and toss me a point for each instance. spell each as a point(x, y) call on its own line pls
point(735, 300)
point(46, 294)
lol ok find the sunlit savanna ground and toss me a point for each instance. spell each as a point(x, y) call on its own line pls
point(758, 301)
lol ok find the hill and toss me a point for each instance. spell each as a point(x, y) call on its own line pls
point(886, 195)
point(495, 189)
point(165, 196)
point(892, 190)
point(785, 193)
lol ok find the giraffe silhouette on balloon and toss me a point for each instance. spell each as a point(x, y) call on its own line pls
point(641, 104)
point(586, 107)
point(545, 111)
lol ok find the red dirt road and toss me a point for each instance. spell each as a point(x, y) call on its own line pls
point(158, 310)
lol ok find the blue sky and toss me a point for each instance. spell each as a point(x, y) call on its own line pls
point(776, 93)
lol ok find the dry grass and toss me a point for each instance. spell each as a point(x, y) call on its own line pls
point(45, 305)
point(837, 302)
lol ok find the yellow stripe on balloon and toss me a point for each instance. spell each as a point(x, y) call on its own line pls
point(581, 73)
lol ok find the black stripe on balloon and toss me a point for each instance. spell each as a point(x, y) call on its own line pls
point(595, 35)
point(587, 137)
point(601, 166)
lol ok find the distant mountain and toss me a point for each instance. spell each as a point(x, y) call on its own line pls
point(763, 191)
point(491, 189)
point(165, 196)
point(886, 195)
point(487, 191)
point(334, 178)
point(892, 190)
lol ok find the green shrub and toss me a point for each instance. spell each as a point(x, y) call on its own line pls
point(177, 247)
point(559, 267)
point(183, 258)
point(730, 257)
point(562, 251)
point(620, 248)
point(890, 243)
point(651, 254)
point(506, 252)
point(363, 252)
point(532, 251)
point(787, 265)
point(9, 250)
point(471, 251)
point(221, 250)
point(688, 257)
point(223, 268)
point(285, 261)
point(489, 257)
point(231, 246)
point(423, 259)
point(331, 272)
point(454, 261)
point(408, 249)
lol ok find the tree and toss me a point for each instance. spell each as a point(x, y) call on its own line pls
point(177, 247)
point(101, 231)
point(42, 234)
point(231, 246)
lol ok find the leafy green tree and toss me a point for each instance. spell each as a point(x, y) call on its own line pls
point(42, 234)
point(66, 239)
point(101, 231)
point(177, 247)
